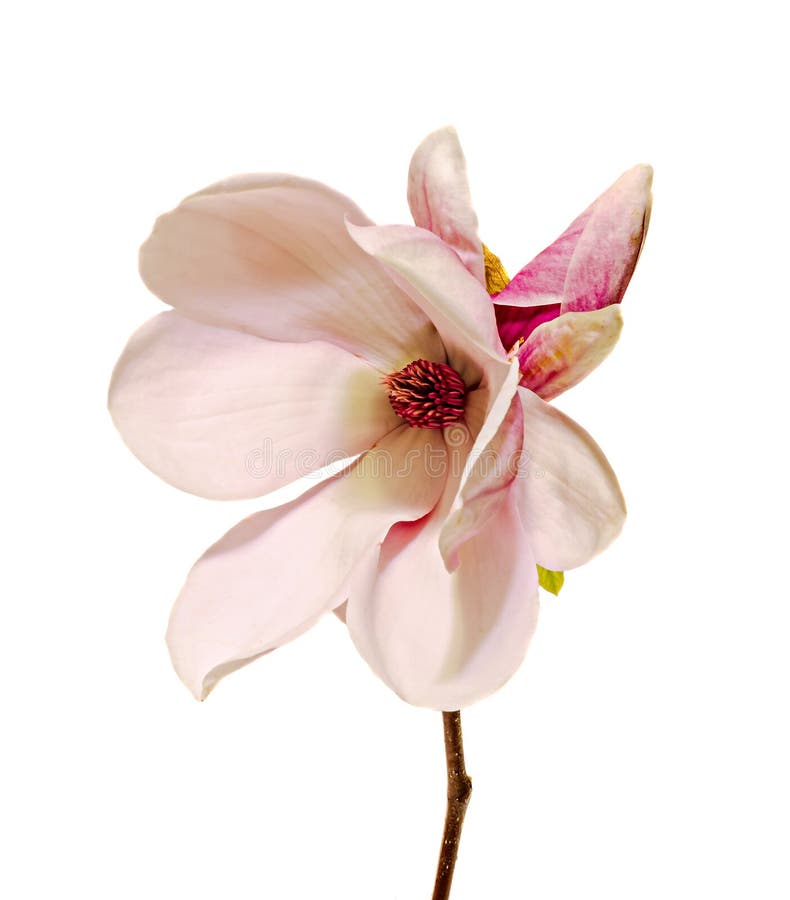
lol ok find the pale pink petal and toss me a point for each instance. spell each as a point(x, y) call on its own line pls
point(607, 251)
point(560, 353)
point(446, 640)
point(272, 575)
point(462, 312)
point(228, 415)
point(440, 200)
point(449, 295)
point(270, 255)
point(569, 497)
point(490, 466)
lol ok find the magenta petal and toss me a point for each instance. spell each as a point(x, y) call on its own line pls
point(606, 253)
point(516, 323)
point(606, 237)
point(542, 281)
point(587, 267)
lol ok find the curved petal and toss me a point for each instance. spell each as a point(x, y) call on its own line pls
point(607, 251)
point(542, 281)
point(270, 255)
point(228, 415)
point(439, 197)
point(272, 575)
point(570, 501)
point(446, 640)
point(481, 466)
point(560, 353)
point(491, 467)
point(591, 262)
point(449, 295)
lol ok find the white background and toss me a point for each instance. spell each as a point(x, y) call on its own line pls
point(641, 751)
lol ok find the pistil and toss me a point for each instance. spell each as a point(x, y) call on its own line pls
point(427, 394)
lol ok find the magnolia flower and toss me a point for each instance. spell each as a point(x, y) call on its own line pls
point(561, 312)
point(301, 333)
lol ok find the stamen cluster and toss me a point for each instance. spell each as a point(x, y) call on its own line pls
point(427, 394)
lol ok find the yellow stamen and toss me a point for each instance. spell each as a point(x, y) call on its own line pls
point(496, 276)
point(515, 348)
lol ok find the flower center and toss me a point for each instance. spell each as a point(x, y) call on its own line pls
point(427, 394)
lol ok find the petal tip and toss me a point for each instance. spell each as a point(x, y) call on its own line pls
point(638, 182)
point(438, 135)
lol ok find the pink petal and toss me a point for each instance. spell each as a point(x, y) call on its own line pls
point(448, 294)
point(560, 353)
point(569, 497)
point(603, 243)
point(462, 312)
point(229, 415)
point(587, 268)
point(272, 575)
point(270, 255)
point(439, 197)
point(607, 251)
point(542, 282)
point(446, 640)
point(517, 323)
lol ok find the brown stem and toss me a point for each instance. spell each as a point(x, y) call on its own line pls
point(459, 790)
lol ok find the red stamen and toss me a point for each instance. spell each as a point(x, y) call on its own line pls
point(427, 394)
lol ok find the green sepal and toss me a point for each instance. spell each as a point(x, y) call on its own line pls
point(550, 581)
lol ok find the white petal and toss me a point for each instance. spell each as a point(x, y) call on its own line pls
point(569, 497)
point(490, 468)
point(451, 297)
point(229, 415)
point(272, 575)
point(486, 464)
point(446, 640)
point(270, 255)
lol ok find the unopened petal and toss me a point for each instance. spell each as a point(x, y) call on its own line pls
point(542, 281)
point(517, 323)
point(607, 251)
point(587, 268)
